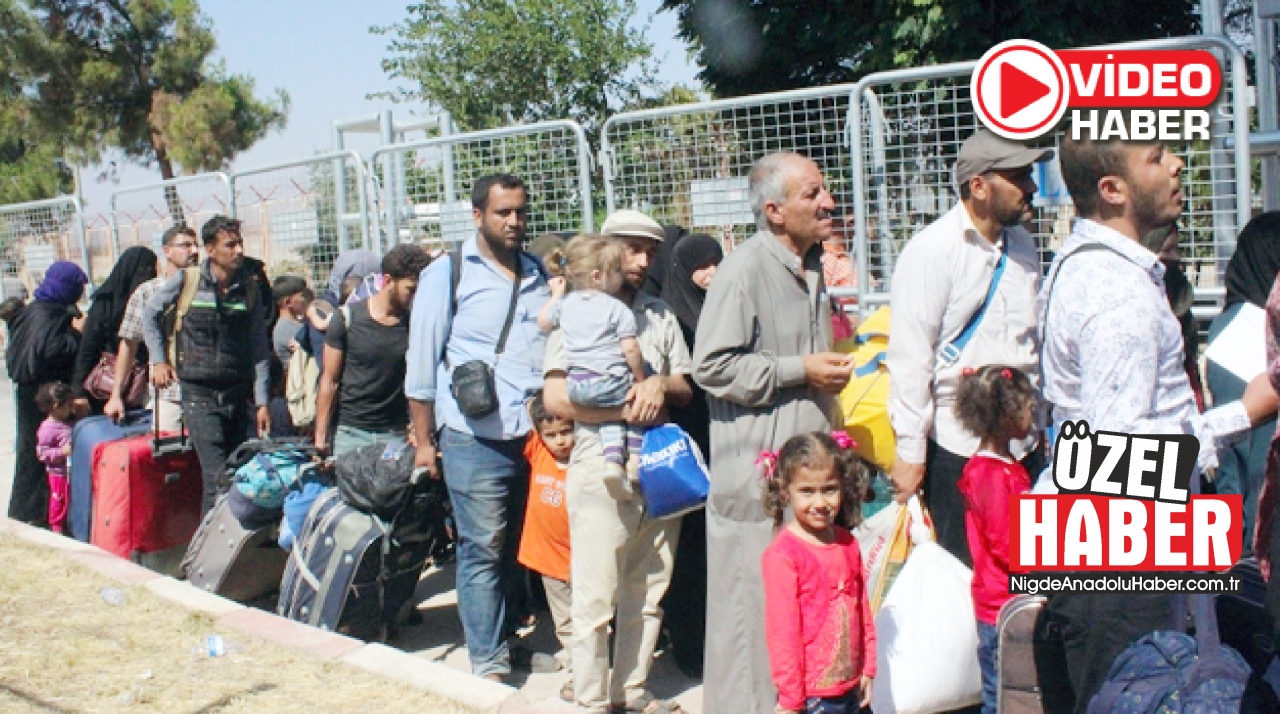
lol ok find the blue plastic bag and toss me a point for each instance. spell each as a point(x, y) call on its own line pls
point(673, 474)
point(297, 504)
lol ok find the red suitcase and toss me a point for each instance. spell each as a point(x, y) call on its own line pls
point(143, 503)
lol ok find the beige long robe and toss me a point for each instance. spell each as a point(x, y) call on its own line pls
point(763, 313)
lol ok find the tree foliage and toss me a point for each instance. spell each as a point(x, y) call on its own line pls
point(753, 46)
point(493, 63)
point(86, 76)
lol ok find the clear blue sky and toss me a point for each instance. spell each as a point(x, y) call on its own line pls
point(322, 53)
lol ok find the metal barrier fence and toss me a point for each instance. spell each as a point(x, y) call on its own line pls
point(688, 164)
point(426, 185)
point(141, 214)
point(33, 235)
point(298, 215)
point(911, 124)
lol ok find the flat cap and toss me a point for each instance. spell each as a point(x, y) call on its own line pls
point(628, 222)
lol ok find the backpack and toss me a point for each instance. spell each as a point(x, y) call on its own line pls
point(177, 312)
point(302, 387)
point(264, 471)
point(1173, 672)
point(864, 402)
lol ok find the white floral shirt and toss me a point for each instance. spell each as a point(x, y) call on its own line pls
point(1112, 349)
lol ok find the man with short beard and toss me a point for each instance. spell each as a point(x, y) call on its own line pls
point(364, 366)
point(964, 293)
point(499, 293)
point(1112, 355)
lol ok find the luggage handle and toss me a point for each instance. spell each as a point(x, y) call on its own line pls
point(169, 445)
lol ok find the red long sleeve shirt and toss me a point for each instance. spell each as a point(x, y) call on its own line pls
point(987, 484)
point(818, 622)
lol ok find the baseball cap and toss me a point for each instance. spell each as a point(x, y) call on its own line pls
point(985, 151)
point(628, 222)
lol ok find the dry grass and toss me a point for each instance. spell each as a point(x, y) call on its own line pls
point(62, 649)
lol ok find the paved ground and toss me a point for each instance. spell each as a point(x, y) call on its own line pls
point(439, 638)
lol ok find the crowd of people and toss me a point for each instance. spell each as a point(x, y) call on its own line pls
point(526, 372)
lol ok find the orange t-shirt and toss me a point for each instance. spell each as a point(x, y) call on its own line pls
point(544, 544)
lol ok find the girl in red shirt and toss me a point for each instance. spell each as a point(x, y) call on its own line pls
point(821, 638)
point(996, 404)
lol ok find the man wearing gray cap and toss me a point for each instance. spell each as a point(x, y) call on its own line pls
point(964, 296)
point(621, 560)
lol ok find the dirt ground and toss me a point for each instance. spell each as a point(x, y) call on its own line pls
point(63, 649)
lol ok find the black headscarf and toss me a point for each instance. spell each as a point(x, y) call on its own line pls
point(679, 291)
point(656, 278)
point(1253, 267)
point(136, 266)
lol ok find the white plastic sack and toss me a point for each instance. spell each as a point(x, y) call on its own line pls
point(875, 535)
point(926, 634)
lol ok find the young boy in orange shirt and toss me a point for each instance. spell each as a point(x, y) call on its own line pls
point(544, 544)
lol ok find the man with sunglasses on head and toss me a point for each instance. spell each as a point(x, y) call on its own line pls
point(181, 250)
point(964, 296)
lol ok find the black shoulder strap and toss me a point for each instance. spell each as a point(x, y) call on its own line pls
point(455, 269)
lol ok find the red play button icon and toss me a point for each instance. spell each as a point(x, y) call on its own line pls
point(1018, 90)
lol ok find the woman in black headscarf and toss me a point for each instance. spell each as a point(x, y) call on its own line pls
point(42, 348)
point(136, 266)
point(1250, 275)
point(693, 265)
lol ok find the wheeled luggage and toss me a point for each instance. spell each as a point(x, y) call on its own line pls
point(1018, 688)
point(227, 559)
point(143, 503)
point(352, 571)
point(86, 436)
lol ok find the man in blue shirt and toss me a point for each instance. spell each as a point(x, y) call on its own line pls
point(484, 465)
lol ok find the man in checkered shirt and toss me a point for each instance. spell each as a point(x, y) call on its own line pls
point(181, 250)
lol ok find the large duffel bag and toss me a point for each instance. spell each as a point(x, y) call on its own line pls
point(352, 572)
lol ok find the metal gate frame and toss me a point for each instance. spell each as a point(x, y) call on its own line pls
point(1240, 132)
point(77, 225)
point(340, 159)
point(607, 151)
point(167, 183)
point(393, 154)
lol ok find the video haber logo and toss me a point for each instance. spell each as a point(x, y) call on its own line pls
point(1021, 90)
point(1124, 504)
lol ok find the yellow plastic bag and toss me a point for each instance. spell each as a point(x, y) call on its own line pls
point(865, 400)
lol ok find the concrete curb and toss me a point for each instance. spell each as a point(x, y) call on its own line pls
point(438, 679)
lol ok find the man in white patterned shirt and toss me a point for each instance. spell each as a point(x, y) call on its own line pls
point(1112, 355)
point(181, 250)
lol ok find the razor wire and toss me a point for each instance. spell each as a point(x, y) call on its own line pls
point(688, 164)
point(426, 185)
point(297, 216)
point(36, 234)
point(141, 214)
point(912, 122)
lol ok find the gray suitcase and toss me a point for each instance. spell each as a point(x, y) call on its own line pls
point(1018, 688)
point(231, 561)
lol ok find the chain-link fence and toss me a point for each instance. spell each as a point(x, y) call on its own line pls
point(297, 216)
point(34, 235)
point(426, 185)
point(911, 124)
point(688, 164)
point(141, 214)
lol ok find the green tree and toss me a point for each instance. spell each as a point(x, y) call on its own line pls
point(131, 75)
point(493, 63)
point(752, 46)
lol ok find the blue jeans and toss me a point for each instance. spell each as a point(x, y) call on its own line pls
point(488, 484)
point(989, 662)
point(603, 391)
point(844, 704)
point(349, 438)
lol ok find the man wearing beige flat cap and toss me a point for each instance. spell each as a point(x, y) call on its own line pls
point(621, 561)
point(964, 296)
